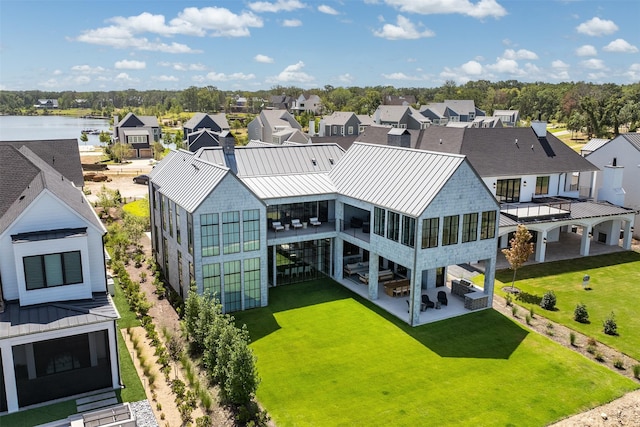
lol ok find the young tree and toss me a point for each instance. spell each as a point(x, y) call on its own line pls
point(519, 250)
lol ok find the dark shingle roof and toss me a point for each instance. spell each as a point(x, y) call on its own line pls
point(493, 151)
point(61, 154)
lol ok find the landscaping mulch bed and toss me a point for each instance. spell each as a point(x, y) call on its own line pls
point(624, 411)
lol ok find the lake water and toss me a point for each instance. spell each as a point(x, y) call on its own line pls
point(25, 128)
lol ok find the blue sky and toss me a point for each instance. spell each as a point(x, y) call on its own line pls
point(87, 45)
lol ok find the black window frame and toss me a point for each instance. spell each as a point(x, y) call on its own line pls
point(66, 271)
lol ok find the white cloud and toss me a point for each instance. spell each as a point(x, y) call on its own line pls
point(164, 78)
point(597, 27)
point(504, 65)
point(633, 74)
point(586, 50)
point(82, 80)
point(293, 74)
point(558, 64)
point(278, 6)
point(404, 30)
point(125, 78)
point(292, 23)
point(179, 66)
point(87, 69)
point(130, 65)
point(57, 72)
point(327, 9)
point(346, 78)
point(212, 21)
point(480, 9)
point(593, 64)
point(399, 76)
point(263, 58)
point(222, 77)
point(621, 46)
point(219, 21)
point(472, 68)
point(519, 54)
point(51, 83)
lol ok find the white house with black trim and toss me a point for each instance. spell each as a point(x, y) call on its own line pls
point(57, 322)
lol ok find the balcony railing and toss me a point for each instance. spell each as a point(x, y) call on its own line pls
point(559, 209)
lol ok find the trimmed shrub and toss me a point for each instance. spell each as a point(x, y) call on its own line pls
point(618, 364)
point(548, 300)
point(610, 325)
point(580, 314)
point(572, 338)
point(636, 371)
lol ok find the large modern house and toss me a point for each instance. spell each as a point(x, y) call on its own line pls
point(206, 130)
point(57, 321)
point(535, 178)
point(384, 221)
point(277, 127)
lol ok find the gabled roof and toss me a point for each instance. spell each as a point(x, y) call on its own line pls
point(270, 160)
point(180, 167)
point(273, 118)
point(391, 113)
point(594, 144)
point(400, 179)
point(493, 151)
point(27, 177)
point(339, 118)
point(132, 120)
point(61, 154)
point(632, 138)
point(202, 120)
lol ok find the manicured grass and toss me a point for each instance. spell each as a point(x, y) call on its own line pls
point(138, 208)
point(328, 357)
point(45, 414)
point(614, 287)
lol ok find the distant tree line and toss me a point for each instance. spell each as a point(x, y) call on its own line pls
point(598, 109)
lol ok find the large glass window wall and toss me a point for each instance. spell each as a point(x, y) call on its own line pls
point(300, 261)
point(302, 211)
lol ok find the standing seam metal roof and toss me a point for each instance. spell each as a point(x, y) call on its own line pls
point(400, 179)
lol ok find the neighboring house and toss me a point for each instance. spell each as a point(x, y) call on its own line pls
point(138, 131)
point(206, 130)
point(307, 103)
point(592, 145)
point(264, 215)
point(509, 118)
point(401, 117)
point(340, 123)
point(277, 127)
point(534, 176)
point(281, 102)
point(405, 101)
point(619, 181)
point(441, 113)
point(478, 122)
point(47, 103)
point(57, 322)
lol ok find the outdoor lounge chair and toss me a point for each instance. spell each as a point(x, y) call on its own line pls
point(314, 221)
point(295, 223)
point(427, 302)
point(442, 297)
point(277, 226)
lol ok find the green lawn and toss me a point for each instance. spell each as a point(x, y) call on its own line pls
point(138, 208)
point(328, 357)
point(614, 281)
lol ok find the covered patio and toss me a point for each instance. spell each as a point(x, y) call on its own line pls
point(398, 307)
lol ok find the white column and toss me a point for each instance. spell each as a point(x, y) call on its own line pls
point(416, 297)
point(586, 241)
point(541, 246)
point(373, 281)
point(113, 356)
point(489, 278)
point(10, 386)
point(626, 242)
